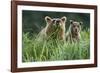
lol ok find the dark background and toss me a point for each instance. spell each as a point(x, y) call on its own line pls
point(34, 21)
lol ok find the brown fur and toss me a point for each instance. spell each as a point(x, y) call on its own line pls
point(73, 33)
point(55, 28)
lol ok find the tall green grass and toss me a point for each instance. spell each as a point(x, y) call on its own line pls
point(53, 50)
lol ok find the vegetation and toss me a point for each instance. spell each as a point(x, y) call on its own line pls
point(51, 50)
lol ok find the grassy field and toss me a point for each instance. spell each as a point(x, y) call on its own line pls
point(53, 50)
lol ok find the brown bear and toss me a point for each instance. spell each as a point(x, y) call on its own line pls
point(73, 33)
point(55, 28)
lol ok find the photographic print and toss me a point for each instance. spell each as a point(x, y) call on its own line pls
point(53, 37)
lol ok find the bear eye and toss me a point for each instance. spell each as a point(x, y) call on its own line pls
point(73, 25)
point(53, 21)
point(78, 26)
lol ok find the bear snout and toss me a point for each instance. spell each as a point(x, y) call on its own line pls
point(57, 22)
point(76, 30)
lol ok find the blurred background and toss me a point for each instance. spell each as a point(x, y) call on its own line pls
point(34, 21)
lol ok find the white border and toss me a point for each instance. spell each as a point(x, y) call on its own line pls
point(53, 63)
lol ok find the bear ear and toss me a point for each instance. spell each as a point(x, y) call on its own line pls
point(71, 21)
point(81, 23)
point(48, 19)
point(64, 18)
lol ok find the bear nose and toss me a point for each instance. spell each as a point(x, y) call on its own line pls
point(58, 21)
point(76, 30)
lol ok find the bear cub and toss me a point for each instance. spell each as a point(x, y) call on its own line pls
point(55, 28)
point(73, 33)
